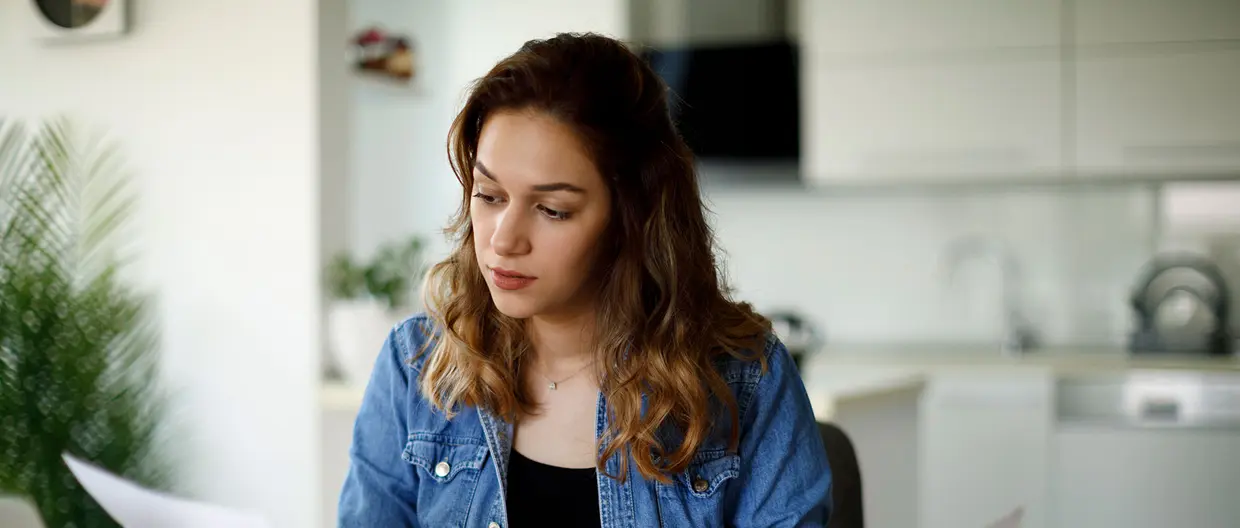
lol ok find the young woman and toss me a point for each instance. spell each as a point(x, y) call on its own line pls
point(580, 362)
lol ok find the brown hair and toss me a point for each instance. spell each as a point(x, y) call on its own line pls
point(663, 314)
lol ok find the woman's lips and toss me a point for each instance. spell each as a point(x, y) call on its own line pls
point(510, 280)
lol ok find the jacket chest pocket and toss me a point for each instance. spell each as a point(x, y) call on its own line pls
point(447, 470)
point(695, 497)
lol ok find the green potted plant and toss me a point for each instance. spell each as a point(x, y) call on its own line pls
point(77, 346)
point(367, 300)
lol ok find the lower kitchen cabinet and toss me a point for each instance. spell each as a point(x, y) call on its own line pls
point(1145, 477)
point(1048, 440)
point(985, 448)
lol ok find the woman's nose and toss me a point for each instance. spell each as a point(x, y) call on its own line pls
point(509, 237)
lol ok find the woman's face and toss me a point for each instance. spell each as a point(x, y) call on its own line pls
point(538, 211)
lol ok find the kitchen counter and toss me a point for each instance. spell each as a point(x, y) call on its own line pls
point(830, 391)
point(1061, 360)
point(879, 410)
point(339, 396)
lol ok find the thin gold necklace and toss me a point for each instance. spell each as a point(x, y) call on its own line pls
point(551, 384)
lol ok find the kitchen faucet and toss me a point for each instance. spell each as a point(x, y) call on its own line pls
point(1018, 332)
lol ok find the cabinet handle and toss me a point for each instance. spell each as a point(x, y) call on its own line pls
point(1224, 150)
point(1161, 409)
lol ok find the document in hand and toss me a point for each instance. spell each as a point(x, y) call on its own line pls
point(133, 506)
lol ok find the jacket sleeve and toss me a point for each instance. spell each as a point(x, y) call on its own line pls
point(785, 480)
point(379, 488)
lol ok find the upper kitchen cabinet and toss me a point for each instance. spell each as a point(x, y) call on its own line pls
point(1158, 114)
point(878, 29)
point(1157, 87)
point(931, 121)
point(1118, 22)
point(917, 90)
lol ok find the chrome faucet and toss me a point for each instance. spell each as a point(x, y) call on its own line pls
point(1018, 333)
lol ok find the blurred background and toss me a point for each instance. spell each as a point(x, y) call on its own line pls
point(1002, 237)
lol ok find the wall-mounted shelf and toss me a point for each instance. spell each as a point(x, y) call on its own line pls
point(379, 84)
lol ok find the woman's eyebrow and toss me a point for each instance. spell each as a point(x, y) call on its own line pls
point(542, 187)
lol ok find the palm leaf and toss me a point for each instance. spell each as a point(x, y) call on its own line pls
point(77, 346)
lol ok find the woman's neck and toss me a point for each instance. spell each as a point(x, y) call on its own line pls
point(562, 341)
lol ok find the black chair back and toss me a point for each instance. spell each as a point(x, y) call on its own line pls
point(846, 505)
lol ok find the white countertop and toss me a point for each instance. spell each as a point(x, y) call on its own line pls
point(1059, 359)
point(828, 391)
point(340, 396)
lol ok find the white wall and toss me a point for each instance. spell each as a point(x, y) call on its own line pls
point(398, 134)
point(337, 218)
point(336, 137)
point(214, 104)
point(485, 31)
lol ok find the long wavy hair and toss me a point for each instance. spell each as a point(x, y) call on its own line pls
point(664, 316)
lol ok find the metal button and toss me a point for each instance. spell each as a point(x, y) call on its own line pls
point(700, 485)
point(442, 469)
point(493, 525)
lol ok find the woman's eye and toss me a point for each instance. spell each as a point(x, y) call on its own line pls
point(554, 214)
point(486, 198)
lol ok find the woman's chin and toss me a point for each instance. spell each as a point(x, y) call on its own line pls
point(513, 305)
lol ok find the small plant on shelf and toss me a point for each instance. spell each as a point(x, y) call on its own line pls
point(368, 299)
point(388, 278)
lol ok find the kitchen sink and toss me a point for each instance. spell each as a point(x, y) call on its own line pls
point(1143, 398)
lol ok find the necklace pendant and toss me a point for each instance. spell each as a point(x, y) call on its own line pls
point(551, 385)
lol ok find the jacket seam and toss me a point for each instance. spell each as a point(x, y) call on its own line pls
point(755, 385)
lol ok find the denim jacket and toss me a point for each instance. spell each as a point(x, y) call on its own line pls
point(409, 466)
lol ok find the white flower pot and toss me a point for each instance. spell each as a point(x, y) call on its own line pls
point(356, 330)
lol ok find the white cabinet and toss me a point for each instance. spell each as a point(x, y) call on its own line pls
point(950, 90)
point(1158, 113)
point(1157, 86)
point(902, 90)
point(896, 28)
point(1145, 478)
point(951, 120)
point(1101, 22)
point(985, 448)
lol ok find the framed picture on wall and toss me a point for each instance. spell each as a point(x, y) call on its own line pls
point(60, 20)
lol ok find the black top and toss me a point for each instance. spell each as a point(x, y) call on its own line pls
point(545, 495)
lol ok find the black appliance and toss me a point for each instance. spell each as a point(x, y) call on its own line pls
point(1163, 278)
point(800, 336)
point(734, 102)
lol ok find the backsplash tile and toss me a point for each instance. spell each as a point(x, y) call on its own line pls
point(868, 268)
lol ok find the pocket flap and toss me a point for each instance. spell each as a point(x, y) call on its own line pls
point(709, 471)
point(443, 457)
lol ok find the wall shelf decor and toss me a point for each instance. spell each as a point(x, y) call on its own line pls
point(381, 54)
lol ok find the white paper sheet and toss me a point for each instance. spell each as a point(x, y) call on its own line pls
point(136, 507)
point(1011, 520)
